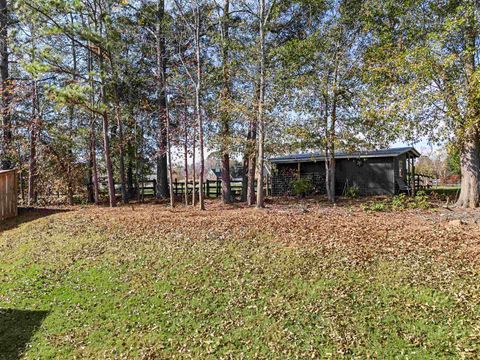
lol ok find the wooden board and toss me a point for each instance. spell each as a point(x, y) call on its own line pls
point(8, 194)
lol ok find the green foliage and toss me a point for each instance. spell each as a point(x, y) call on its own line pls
point(420, 201)
point(453, 160)
point(352, 192)
point(375, 206)
point(301, 186)
point(400, 202)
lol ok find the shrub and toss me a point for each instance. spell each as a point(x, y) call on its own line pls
point(301, 186)
point(400, 202)
point(375, 206)
point(421, 201)
point(352, 192)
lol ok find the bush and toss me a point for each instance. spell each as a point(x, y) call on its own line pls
point(421, 201)
point(301, 186)
point(375, 206)
point(352, 192)
point(401, 202)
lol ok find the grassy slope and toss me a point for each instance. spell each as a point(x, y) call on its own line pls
point(117, 285)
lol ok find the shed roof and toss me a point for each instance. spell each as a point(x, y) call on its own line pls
point(382, 153)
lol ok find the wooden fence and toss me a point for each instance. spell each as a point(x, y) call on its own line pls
point(212, 188)
point(8, 194)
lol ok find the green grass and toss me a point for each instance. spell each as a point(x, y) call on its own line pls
point(109, 294)
point(444, 192)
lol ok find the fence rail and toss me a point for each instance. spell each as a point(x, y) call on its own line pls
point(211, 188)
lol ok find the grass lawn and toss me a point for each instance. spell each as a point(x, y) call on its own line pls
point(291, 281)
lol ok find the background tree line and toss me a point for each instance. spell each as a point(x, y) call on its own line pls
point(102, 92)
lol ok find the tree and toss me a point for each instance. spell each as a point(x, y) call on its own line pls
point(192, 19)
point(326, 86)
point(225, 102)
point(5, 78)
point(424, 58)
point(162, 180)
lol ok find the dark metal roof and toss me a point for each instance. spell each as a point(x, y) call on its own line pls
point(393, 152)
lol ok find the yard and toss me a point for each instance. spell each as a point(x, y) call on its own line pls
point(296, 280)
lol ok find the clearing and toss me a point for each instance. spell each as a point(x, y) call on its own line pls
point(296, 280)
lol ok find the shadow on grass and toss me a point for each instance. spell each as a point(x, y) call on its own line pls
point(16, 329)
point(26, 215)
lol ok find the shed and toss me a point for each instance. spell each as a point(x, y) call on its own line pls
point(8, 194)
point(374, 172)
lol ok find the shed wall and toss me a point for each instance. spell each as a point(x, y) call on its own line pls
point(373, 176)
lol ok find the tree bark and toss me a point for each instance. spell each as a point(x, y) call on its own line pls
point(243, 194)
point(225, 102)
point(162, 170)
point(194, 170)
point(32, 159)
point(185, 154)
point(252, 164)
point(93, 138)
point(108, 160)
point(70, 160)
point(198, 108)
point(121, 146)
point(105, 119)
point(261, 121)
point(93, 163)
point(5, 78)
point(251, 151)
point(470, 166)
point(170, 166)
point(330, 153)
point(469, 152)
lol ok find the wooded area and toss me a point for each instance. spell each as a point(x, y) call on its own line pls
point(113, 91)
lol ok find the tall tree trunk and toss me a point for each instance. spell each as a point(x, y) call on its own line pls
point(105, 116)
point(470, 150)
point(32, 159)
point(70, 159)
point(260, 118)
point(330, 158)
point(170, 166)
point(93, 162)
point(194, 170)
point(198, 89)
point(130, 177)
point(162, 171)
point(225, 106)
point(251, 151)
point(108, 160)
point(330, 173)
point(5, 78)
point(245, 165)
point(185, 154)
point(121, 146)
point(469, 165)
point(252, 164)
point(93, 137)
point(106, 147)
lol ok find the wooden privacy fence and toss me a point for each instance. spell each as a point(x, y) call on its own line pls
point(8, 194)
